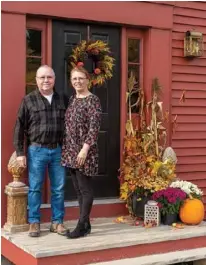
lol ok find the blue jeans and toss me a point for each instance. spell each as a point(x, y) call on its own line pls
point(39, 159)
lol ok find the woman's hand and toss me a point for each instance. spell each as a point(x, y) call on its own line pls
point(82, 155)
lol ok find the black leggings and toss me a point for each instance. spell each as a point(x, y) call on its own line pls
point(83, 187)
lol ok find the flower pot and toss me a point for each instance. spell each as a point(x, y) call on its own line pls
point(138, 205)
point(169, 219)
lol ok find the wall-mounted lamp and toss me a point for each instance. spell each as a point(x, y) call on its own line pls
point(193, 44)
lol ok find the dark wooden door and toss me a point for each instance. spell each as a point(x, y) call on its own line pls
point(66, 36)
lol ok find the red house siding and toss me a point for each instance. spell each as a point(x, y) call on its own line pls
point(189, 140)
point(13, 88)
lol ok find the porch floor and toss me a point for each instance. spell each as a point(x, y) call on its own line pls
point(106, 234)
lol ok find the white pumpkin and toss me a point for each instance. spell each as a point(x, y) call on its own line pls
point(169, 153)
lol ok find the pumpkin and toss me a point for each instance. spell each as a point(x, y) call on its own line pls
point(192, 211)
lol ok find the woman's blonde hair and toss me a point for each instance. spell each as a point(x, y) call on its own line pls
point(81, 70)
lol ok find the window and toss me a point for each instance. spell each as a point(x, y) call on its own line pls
point(134, 64)
point(33, 57)
point(35, 51)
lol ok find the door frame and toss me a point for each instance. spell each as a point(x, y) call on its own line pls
point(125, 34)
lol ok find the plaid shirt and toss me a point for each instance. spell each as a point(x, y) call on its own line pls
point(39, 121)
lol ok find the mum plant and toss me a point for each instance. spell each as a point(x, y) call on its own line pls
point(189, 188)
point(169, 200)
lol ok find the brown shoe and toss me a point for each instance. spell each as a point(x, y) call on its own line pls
point(34, 230)
point(58, 228)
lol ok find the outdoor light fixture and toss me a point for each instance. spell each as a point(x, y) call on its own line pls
point(193, 44)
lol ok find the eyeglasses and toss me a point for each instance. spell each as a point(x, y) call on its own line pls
point(79, 79)
point(49, 77)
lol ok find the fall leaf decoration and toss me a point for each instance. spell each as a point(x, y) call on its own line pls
point(174, 124)
point(140, 102)
point(183, 98)
point(142, 165)
point(100, 54)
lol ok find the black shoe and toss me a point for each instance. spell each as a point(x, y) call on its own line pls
point(88, 227)
point(79, 231)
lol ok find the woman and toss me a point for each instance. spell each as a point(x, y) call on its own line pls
point(79, 152)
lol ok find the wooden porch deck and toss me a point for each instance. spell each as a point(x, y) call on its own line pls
point(108, 241)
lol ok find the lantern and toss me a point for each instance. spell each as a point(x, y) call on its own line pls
point(193, 44)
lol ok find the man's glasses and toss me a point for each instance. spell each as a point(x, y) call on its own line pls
point(78, 79)
point(49, 77)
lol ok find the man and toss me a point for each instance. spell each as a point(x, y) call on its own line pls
point(40, 122)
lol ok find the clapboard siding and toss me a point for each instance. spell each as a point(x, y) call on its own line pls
point(190, 168)
point(184, 110)
point(180, 53)
point(188, 143)
point(191, 160)
point(191, 152)
point(193, 102)
point(190, 136)
point(189, 75)
point(187, 69)
point(188, 20)
point(190, 127)
point(189, 12)
point(181, 61)
point(192, 175)
point(193, 5)
point(189, 94)
point(179, 35)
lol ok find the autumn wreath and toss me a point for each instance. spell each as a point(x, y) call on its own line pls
point(100, 54)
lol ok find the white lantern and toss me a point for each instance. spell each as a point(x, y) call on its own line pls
point(151, 214)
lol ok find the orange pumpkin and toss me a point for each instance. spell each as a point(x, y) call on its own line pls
point(192, 212)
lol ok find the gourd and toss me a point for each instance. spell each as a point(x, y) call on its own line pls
point(192, 211)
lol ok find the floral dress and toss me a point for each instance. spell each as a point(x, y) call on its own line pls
point(82, 124)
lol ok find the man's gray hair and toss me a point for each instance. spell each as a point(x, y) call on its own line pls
point(45, 66)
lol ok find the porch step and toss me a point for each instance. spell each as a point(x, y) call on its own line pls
point(101, 208)
point(108, 241)
point(162, 259)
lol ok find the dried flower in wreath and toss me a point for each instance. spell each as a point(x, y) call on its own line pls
point(99, 52)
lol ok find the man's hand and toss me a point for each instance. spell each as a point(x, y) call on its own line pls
point(21, 160)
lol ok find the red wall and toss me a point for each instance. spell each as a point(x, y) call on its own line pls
point(13, 88)
point(189, 140)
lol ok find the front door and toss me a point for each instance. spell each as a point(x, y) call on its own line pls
point(66, 36)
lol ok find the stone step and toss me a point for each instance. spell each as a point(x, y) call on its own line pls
point(198, 255)
point(108, 241)
point(106, 234)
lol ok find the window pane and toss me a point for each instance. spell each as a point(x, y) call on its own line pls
point(134, 97)
point(133, 50)
point(33, 42)
point(135, 70)
point(32, 64)
point(30, 88)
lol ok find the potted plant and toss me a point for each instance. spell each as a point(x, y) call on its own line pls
point(189, 188)
point(192, 211)
point(169, 201)
point(140, 197)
